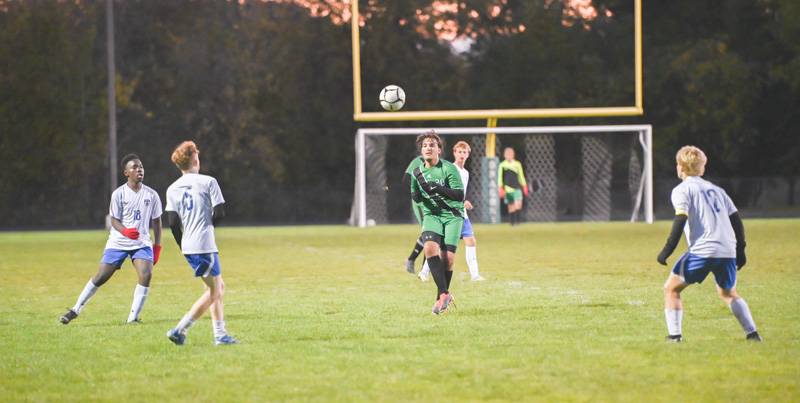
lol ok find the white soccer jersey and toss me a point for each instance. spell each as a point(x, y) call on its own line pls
point(708, 230)
point(193, 197)
point(464, 180)
point(135, 210)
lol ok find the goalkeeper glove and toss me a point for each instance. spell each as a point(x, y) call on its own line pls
point(131, 233)
point(525, 190)
point(502, 192)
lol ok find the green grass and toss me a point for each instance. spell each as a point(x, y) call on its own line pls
point(570, 312)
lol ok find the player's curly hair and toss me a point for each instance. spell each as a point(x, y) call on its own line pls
point(430, 134)
point(128, 158)
point(182, 156)
point(692, 160)
point(462, 144)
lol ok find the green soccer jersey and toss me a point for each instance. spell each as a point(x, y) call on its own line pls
point(510, 176)
point(446, 174)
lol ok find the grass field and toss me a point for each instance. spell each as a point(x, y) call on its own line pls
point(570, 312)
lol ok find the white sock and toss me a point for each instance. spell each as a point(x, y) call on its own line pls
point(87, 293)
point(742, 313)
point(139, 296)
point(185, 323)
point(219, 328)
point(472, 262)
point(674, 318)
point(426, 270)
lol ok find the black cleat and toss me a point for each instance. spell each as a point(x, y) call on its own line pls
point(410, 266)
point(754, 336)
point(136, 321)
point(674, 338)
point(68, 316)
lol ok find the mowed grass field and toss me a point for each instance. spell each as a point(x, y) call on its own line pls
point(569, 312)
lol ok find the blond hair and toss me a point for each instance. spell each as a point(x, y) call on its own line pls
point(462, 144)
point(183, 155)
point(691, 160)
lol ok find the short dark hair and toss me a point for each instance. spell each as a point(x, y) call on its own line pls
point(430, 134)
point(128, 158)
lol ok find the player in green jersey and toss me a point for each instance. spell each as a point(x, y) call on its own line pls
point(511, 184)
point(437, 186)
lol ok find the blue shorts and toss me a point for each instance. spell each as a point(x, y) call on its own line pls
point(204, 264)
point(115, 257)
point(466, 229)
point(694, 269)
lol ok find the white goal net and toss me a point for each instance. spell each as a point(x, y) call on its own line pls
point(574, 173)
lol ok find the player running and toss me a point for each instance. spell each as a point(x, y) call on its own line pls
point(437, 186)
point(461, 153)
point(194, 207)
point(716, 243)
point(511, 184)
point(133, 210)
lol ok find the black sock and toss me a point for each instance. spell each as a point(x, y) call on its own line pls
point(512, 218)
point(448, 274)
point(416, 251)
point(438, 274)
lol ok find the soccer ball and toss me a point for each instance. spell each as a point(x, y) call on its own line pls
point(392, 98)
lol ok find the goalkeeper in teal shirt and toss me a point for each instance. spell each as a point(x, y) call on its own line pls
point(511, 184)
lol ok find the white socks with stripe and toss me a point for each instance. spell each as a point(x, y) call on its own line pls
point(139, 296)
point(185, 323)
point(742, 313)
point(472, 261)
point(674, 318)
point(86, 294)
point(219, 328)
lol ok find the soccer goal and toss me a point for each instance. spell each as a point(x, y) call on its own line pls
point(573, 173)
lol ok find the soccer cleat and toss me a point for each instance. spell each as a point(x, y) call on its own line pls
point(478, 278)
point(68, 316)
point(448, 302)
point(410, 266)
point(441, 304)
point(225, 340)
point(422, 276)
point(754, 336)
point(136, 321)
point(674, 338)
point(176, 337)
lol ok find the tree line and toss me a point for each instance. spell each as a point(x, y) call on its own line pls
point(265, 89)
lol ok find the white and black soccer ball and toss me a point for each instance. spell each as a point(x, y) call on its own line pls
point(392, 98)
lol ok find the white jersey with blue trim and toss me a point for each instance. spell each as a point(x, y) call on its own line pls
point(465, 181)
point(193, 197)
point(708, 230)
point(135, 210)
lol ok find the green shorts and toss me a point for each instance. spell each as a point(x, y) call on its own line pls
point(448, 227)
point(514, 196)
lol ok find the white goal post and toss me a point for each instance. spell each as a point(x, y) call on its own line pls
point(641, 182)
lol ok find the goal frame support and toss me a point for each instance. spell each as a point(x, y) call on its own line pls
point(646, 131)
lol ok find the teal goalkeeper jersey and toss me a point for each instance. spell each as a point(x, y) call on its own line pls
point(510, 176)
point(446, 174)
